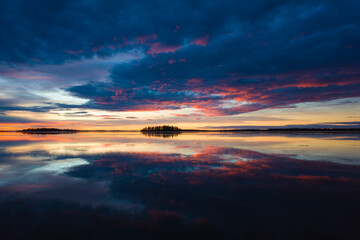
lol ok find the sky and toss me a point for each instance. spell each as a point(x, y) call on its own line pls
point(106, 64)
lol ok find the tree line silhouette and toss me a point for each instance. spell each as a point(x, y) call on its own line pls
point(164, 128)
point(48, 131)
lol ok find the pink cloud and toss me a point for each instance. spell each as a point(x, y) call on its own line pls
point(201, 41)
point(157, 48)
point(194, 81)
point(96, 49)
point(146, 39)
point(171, 61)
point(70, 52)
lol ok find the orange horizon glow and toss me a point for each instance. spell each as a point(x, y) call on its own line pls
point(302, 114)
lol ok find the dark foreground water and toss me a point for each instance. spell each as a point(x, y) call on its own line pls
point(190, 186)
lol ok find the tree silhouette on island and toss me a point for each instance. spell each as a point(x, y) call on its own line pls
point(164, 128)
point(47, 131)
point(164, 131)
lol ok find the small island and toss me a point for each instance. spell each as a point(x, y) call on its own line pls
point(48, 131)
point(165, 131)
point(164, 128)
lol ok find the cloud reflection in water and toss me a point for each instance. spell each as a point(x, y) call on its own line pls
point(191, 189)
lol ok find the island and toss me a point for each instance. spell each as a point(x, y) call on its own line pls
point(164, 128)
point(48, 131)
point(165, 131)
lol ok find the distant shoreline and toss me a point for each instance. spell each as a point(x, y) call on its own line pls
point(282, 130)
point(59, 131)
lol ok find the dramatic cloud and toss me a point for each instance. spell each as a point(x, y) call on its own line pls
point(218, 58)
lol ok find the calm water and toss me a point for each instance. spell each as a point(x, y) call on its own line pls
point(190, 186)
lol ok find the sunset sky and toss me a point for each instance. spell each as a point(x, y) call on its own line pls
point(100, 64)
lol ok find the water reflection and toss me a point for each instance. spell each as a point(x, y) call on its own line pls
point(161, 134)
point(211, 186)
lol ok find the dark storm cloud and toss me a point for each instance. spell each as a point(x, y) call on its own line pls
point(221, 58)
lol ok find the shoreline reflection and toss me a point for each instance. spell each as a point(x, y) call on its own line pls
point(213, 187)
point(161, 134)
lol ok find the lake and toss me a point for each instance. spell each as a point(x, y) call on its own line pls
point(124, 185)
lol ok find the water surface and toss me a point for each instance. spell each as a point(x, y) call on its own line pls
point(188, 186)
